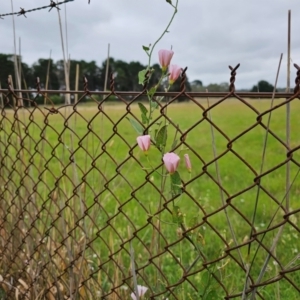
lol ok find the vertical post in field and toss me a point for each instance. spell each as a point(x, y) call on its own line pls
point(107, 68)
point(47, 78)
point(76, 83)
point(288, 109)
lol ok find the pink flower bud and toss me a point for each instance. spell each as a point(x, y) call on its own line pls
point(165, 57)
point(174, 71)
point(144, 142)
point(141, 290)
point(187, 162)
point(171, 161)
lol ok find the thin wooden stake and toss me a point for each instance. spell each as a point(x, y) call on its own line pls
point(244, 296)
point(76, 82)
point(47, 77)
point(107, 68)
point(15, 49)
point(1, 98)
point(66, 65)
point(288, 110)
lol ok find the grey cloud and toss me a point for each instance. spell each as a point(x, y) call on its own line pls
point(206, 35)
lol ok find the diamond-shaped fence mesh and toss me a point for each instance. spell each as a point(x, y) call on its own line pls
point(85, 214)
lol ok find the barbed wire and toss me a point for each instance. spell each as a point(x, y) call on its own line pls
point(23, 11)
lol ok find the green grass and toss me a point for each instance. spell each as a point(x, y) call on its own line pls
point(86, 195)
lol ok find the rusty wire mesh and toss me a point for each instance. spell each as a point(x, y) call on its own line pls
point(70, 229)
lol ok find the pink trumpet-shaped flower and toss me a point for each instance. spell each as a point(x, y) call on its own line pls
point(188, 162)
point(171, 161)
point(174, 71)
point(141, 291)
point(144, 142)
point(165, 57)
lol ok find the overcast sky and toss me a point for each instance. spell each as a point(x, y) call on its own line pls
point(206, 35)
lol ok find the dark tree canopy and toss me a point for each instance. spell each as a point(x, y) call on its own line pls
point(7, 68)
point(53, 73)
point(263, 86)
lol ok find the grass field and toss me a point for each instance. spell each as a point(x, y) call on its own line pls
point(81, 202)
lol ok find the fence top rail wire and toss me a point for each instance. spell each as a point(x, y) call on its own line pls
point(262, 95)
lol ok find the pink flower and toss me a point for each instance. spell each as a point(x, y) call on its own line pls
point(171, 161)
point(144, 142)
point(141, 291)
point(174, 71)
point(165, 57)
point(187, 162)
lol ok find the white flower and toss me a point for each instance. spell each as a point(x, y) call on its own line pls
point(141, 291)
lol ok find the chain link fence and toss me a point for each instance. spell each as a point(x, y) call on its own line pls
point(86, 215)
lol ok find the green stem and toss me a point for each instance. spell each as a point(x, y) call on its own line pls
point(152, 168)
point(152, 109)
point(150, 55)
point(165, 31)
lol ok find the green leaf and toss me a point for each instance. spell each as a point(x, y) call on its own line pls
point(159, 99)
point(155, 133)
point(161, 137)
point(152, 91)
point(210, 292)
point(143, 109)
point(136, 125)
point(142, 75)
point(177, 215)
point(205, 278)
point(174, 144)
point(176, 184)
point(144, 112)
point(146, 48)
point(213, 294)
point(153, 104)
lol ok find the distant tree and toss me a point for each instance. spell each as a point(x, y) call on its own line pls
point(7, 68)
point(263, 86)
point(125, 74)
point(40, 69)
point(103, 73)
point(125, 78)
point(134, 68)
point(215, 87)
point(197, 82)
point(88, 69)
point(27, 78)
point(155, 78)
point(196, 85)
point(176, 86)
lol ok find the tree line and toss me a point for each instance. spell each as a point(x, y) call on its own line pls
point(125, 74)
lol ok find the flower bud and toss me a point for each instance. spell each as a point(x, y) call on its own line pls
point(174, 71)
point(171, 161)
point(144, 142)
point(165, 57)
point(188, 162)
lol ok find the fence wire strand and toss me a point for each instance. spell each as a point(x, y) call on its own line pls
point(23, 12)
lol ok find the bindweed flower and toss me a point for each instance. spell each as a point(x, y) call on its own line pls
point(141, 291)
point(188, 162)
point(174, 71)
point(171, 161)
point(144, 142)
point(165, 57)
